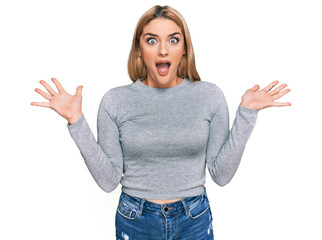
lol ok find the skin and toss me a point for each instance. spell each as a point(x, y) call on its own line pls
point(162, 47)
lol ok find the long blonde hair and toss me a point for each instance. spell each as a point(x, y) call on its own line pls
point(136, 66)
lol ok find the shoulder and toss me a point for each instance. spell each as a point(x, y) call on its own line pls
point(209, 89)
point(113, 98)
point(117, 93)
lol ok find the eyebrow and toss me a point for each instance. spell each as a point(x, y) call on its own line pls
point(172, 34)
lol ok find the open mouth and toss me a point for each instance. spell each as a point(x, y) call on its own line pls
point(163, 67)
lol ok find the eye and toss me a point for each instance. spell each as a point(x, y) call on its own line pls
point(151, 41)
point(174, 40)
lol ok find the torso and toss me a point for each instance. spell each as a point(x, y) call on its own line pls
point(163, 201)
point(155, 200)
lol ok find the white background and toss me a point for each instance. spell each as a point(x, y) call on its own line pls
point(47, 191)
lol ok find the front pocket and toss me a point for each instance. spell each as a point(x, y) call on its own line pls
point(198, 208)
point(127, 210)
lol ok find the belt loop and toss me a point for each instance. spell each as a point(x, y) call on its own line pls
point(141, 206)
point(185, 206)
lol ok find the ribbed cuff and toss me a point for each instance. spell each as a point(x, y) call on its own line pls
point(248, 115)
point(247, 110)
point(77, 124)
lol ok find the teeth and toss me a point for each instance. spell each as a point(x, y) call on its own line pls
point(163, 62)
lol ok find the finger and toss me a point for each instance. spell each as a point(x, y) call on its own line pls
point(58, 85)
point(270, 86)
point(281, 104)
point(48, 87)
point(279, 95)
point(44, 94)
point(79, 90)
point(255, 88)
point(41, 104)
point(277, 90)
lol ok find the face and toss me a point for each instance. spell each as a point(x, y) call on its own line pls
point(162, 48)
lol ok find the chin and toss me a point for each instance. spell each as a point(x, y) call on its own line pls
point(164, 80)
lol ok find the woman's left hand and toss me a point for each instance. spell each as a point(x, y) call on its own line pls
point(263, 98)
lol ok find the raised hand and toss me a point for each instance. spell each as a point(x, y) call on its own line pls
point(263, 98)
point(66, 105)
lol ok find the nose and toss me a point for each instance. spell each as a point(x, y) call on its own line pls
point(163, 49)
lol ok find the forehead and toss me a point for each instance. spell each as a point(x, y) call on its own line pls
point(161, 26)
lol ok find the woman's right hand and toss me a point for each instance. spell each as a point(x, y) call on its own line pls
point(66, 105)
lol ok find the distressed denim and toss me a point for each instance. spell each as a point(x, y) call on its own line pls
point(187, 219)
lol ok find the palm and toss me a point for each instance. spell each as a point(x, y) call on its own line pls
point(263, 98)
point(63, 103)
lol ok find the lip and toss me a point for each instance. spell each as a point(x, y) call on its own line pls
point(163, 61)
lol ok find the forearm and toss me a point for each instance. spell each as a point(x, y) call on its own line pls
point(224, 166)
point(105, 173)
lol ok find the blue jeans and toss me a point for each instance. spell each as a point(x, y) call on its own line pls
point(187, 219)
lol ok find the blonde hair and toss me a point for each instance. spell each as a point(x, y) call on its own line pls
point(136, 66)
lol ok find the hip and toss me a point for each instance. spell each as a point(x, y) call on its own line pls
point(189, 218)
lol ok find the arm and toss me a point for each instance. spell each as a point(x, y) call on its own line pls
point(225, 148)
point(103, 158)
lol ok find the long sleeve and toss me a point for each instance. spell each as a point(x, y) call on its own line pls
point(225, 148)
point(103, 158)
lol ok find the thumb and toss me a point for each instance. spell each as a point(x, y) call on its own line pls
point(255, 88)
point(79, 90)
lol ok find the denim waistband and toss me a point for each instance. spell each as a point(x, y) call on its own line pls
point(168, 208)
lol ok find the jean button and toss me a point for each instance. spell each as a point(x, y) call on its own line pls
point(165, 208)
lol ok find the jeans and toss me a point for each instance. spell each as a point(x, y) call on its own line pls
point(187, 219)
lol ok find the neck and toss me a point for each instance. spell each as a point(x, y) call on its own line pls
point(151, 83)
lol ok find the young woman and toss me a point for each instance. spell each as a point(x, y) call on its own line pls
point(157, 134)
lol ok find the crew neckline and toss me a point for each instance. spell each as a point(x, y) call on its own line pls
point(140, 85)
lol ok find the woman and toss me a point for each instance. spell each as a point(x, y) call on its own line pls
point(160, 132)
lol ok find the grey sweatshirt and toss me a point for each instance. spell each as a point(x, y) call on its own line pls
point(157, 142)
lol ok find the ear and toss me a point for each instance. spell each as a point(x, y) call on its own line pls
point(139, 52)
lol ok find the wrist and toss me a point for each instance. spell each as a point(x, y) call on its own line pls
point(74, 118)
point(247, 105)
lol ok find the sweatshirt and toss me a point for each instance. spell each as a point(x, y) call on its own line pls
point(157, 142)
